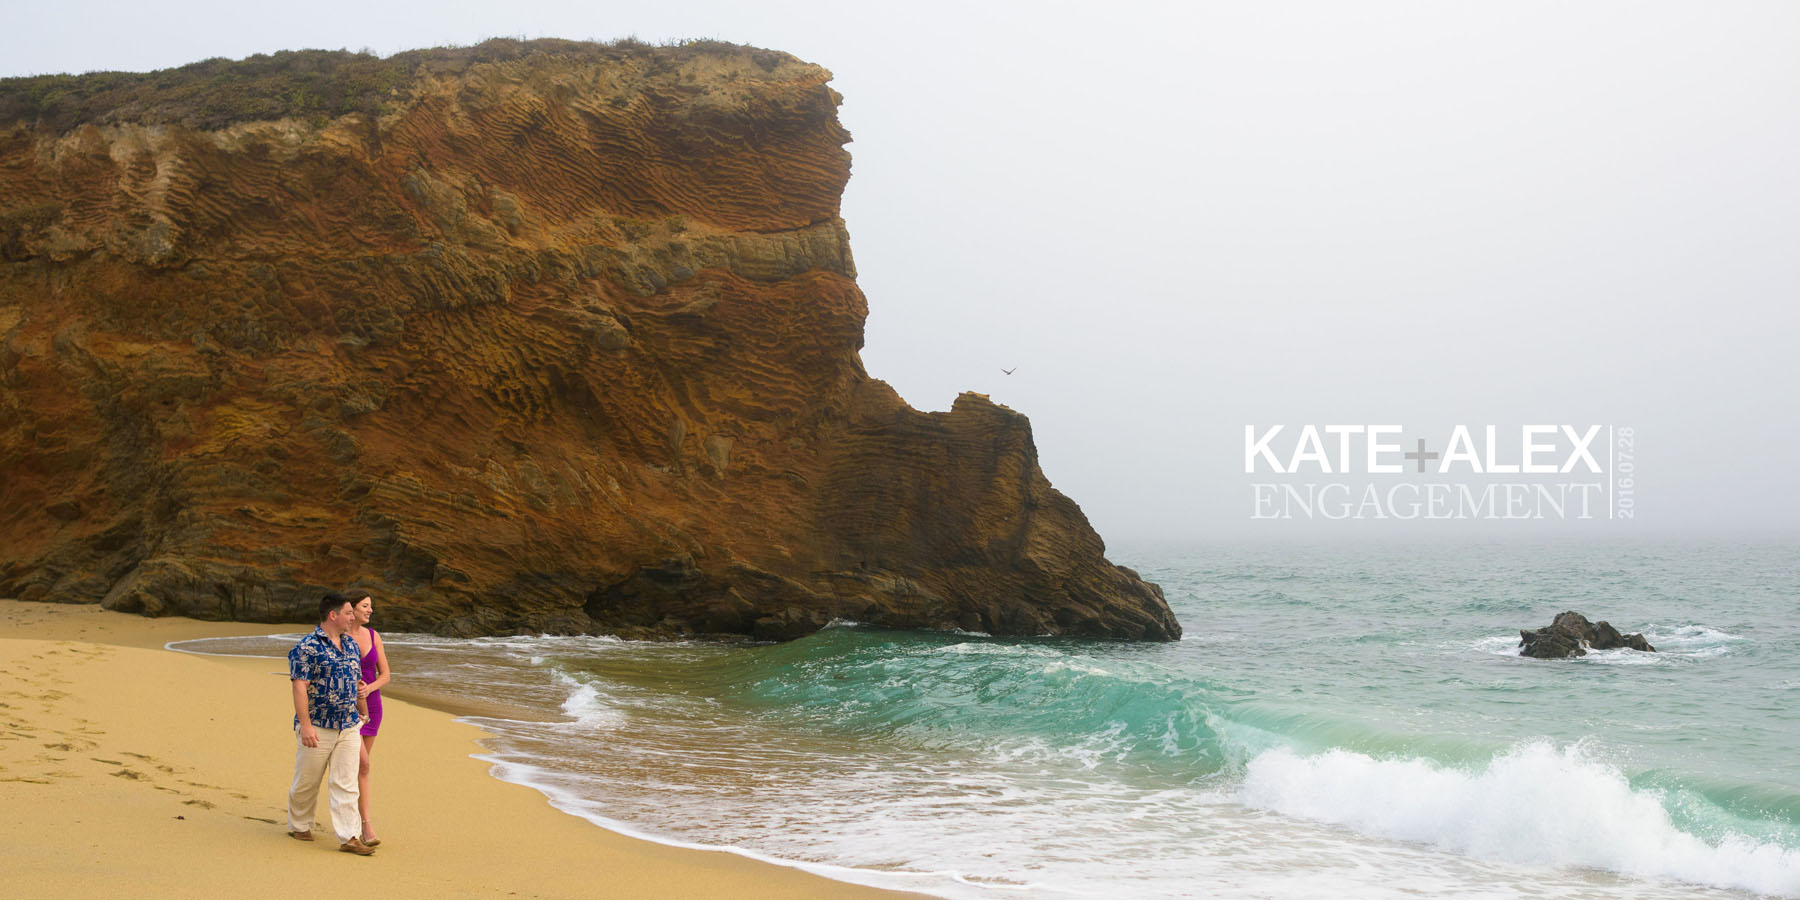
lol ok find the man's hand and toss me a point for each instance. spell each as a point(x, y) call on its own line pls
point(308, 737)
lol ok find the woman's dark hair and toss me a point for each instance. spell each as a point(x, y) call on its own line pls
point(331, 603)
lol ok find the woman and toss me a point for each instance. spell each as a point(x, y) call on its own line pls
point(375, 675)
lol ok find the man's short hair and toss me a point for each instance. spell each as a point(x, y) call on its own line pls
point(331, 603)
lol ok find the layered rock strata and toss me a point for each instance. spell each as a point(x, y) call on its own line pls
point(547, 337)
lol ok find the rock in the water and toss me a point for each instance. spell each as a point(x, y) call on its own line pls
point(1571, 634)
point(535, 336)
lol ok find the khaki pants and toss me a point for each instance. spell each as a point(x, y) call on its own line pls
point(337, 757)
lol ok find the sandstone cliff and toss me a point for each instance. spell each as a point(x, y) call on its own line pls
point(537, 336)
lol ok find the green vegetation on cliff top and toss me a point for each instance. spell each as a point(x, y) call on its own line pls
point(317, 85)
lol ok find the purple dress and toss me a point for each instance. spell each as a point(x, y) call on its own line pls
point(370, 669)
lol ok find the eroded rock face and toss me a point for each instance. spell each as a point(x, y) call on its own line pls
point(1571, 634)
point(553, 343)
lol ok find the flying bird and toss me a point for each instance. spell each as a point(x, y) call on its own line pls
point(1011, 370)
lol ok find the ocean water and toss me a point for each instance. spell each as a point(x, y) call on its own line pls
point(1344, 721)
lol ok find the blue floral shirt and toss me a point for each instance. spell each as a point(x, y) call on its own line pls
point(331, 675)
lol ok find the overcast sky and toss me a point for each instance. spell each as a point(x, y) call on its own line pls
point(1176, 220)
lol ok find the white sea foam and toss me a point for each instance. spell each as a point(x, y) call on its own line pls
point(1693, 641)
point(1073, 665)
point(521, 643)
point(1499, 645)
point(266, 646)
point(984, 648)
point(1625, 656)
point(1534, 805)
point(1689, 634)
point(586, 706)
point(554, 786)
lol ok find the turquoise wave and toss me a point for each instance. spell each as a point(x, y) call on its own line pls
point(1150, 722)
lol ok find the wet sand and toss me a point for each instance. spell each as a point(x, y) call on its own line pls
point(130, 770)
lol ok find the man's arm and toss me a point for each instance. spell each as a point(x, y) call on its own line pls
point(308, 735)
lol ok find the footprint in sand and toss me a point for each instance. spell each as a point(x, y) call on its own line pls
point(212, 787)
point(166, 770)
point(136, 775)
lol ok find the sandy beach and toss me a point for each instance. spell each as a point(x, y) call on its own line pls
point(131, 770)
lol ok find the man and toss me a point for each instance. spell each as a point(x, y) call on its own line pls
point(324, 668)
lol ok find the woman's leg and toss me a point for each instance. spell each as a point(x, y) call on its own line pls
point(362, 788)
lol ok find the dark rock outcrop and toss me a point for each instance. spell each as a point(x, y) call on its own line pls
point(1571, 634)
point(532, 336)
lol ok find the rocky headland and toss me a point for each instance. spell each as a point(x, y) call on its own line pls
point(530, 336)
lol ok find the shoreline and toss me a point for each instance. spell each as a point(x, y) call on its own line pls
point(126, 763)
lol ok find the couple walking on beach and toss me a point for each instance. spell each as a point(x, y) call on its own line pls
point(337, 673)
